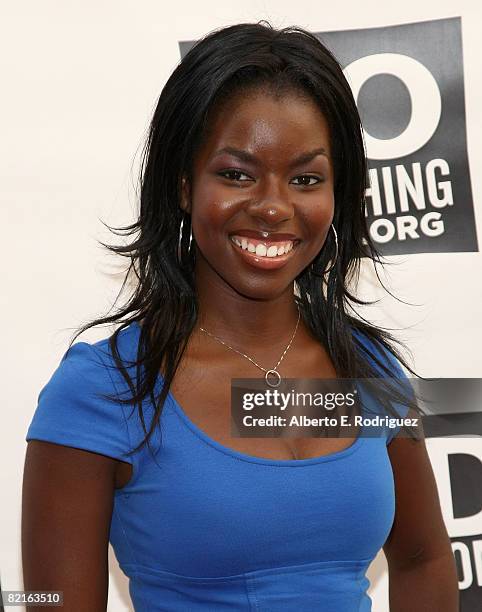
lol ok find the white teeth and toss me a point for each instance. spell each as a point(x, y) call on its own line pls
point(261, 250)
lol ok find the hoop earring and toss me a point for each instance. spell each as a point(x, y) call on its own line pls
point(322, 273)
point(179, 242)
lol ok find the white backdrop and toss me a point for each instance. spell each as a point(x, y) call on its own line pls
point(79, 84)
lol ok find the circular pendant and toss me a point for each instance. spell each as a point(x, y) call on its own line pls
point(273, 378)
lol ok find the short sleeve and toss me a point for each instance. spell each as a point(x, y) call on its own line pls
point(399, 411)
point(71, 410)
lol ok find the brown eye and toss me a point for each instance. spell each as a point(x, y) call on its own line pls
point(306, 178)
point(234, 175)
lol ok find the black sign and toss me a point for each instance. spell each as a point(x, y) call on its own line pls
point(408, 81)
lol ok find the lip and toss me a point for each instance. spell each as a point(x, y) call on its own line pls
point(269, 236)
point(263, 263)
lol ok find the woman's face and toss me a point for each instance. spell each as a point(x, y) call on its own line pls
point(261, 197)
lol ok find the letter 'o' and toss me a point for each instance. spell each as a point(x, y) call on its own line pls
point(424, 94)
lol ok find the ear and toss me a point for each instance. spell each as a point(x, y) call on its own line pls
point(185, 191)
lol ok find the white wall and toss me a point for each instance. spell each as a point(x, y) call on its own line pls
point(79, 83)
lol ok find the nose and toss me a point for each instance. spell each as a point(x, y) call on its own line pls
point(271, 204)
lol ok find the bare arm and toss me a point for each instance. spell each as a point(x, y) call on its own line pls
point(422, 571)
point(67, 502)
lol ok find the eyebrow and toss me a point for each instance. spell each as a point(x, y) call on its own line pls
point(304, 158)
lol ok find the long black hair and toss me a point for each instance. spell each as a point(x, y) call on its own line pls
point(226, 62)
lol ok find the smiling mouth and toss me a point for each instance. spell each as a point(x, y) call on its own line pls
point(264, 254)
point(264, 248)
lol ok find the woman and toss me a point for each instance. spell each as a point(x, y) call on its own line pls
point(252, 223)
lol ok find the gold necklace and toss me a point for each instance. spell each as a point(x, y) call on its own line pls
point(272, 376)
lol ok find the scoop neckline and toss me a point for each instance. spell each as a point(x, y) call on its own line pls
point(200, 433)
point(253, 458)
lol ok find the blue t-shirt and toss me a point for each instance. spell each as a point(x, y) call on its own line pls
point(205, 527)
